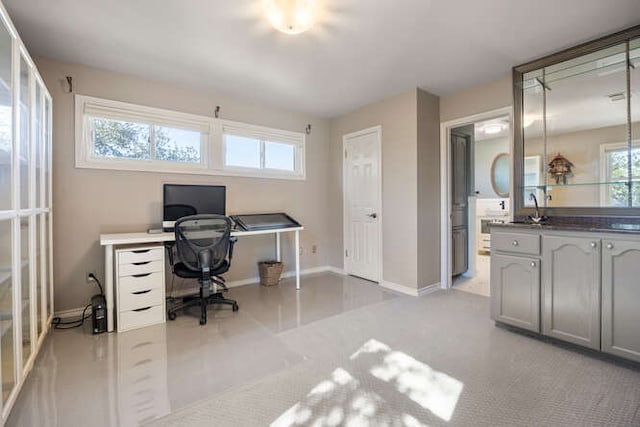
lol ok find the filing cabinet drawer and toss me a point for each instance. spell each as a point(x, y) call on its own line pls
point(141, 317)
point(521, 243)
point(140, 268)
point(140, 299)
point(140, 255)
point(140, 282)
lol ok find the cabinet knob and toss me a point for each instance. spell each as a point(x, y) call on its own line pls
point(609, 245)
point(533, 263)
point(593, 244)
point(514, 243)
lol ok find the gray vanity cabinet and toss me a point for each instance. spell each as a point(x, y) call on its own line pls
point(515, 291)
point(571, 289)
point(621, 298)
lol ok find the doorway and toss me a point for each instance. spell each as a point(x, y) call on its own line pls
point(476, 185)
point(362, 195)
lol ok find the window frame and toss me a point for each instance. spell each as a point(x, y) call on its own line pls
point(604, 168)
point(213, 150)
point(263, 135)
point(116, 110)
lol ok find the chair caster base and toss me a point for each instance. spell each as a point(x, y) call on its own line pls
point(203, 321)
point(235, 307)
point(171, 315)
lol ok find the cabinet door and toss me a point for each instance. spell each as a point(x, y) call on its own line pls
point(515, 291)
point(459, 250)
point(620, 296)
point(571, 289)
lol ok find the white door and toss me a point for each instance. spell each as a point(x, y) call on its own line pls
point(362, 218)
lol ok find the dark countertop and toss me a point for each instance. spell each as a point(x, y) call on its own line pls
point(621, 226)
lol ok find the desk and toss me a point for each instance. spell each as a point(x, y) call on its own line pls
point(111, 240)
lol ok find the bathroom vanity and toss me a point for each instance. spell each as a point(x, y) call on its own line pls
point(576, 276)
point(573, 282)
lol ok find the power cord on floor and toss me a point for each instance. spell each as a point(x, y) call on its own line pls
point(57, 322)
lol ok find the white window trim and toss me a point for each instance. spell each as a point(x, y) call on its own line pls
point(614, 146)
point(265, 134)
point(212, 149)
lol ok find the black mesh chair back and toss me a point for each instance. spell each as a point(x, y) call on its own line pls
point(202, 241)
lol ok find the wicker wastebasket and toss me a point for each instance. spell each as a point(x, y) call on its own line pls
point(269, 272)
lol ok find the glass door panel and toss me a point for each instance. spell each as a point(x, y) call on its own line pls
point(38, 272)
point(24, 109)
point(47, 152)
point(38, 147)
point(47, 245)
point(25, 305)
point(6, 121)
point(6, 309)
point(634, 78)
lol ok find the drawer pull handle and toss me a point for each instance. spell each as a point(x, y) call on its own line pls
point(142, 344)
point(514, 243)
point(142, 275)
point(141, 251)
point(141, 292)
point(141, 263)
point(142, 309)
point(609, 245)
point(533, 263)
point(593, 244)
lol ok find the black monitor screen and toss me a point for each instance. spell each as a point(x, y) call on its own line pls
point(182, 200)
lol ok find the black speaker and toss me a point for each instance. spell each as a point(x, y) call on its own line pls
point(99, 314)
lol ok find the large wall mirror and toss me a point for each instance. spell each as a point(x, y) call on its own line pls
point(577, 129)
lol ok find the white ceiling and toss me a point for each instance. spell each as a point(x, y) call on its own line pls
point(359, 52)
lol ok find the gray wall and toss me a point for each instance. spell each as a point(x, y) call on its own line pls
point(88, 202)
point(428, 189)
point(478, 99)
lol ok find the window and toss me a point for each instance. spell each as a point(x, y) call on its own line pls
point(614, 161)
point(116, 135)
point(265, 151)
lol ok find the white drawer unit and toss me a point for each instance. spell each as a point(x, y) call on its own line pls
point(140, 297)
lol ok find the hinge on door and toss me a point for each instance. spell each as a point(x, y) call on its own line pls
point(346, 253)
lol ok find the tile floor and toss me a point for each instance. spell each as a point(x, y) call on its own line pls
point(341, 351)
point(479, 283)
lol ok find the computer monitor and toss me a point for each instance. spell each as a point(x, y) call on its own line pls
point(182, 200)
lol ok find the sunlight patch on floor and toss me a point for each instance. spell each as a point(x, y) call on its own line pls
point(372, 391)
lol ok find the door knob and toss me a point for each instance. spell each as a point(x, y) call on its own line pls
point(609, 245)
point(373, 215)
point(533, 263)
point(514, 243)
point(593, 244)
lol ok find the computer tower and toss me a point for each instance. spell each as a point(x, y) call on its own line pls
point(98, 314)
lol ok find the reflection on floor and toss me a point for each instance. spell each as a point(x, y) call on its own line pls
point(479, 283)
point(339, 351)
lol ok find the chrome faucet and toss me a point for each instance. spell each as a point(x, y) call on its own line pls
point(536, 218)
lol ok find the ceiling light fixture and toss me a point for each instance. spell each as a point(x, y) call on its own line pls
point(291, 16)
point(493, 128)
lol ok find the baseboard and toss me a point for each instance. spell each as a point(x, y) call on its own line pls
point(429, 289)
point(336, 270)
point(399, 288)
point(74, 312)
point(410, 291)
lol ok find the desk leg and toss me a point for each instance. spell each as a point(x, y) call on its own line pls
point(108, 285)
point(297, 259)
point(278, 247)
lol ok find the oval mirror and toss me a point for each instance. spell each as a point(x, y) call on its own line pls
point(500, 175)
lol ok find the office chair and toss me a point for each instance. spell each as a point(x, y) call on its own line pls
point(204, 248)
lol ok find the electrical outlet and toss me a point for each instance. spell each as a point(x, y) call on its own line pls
point(300, 251)
point(88, 277)
point(314, 249)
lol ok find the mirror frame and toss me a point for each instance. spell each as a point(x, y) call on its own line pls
point(493, 174)
point(518, 132)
